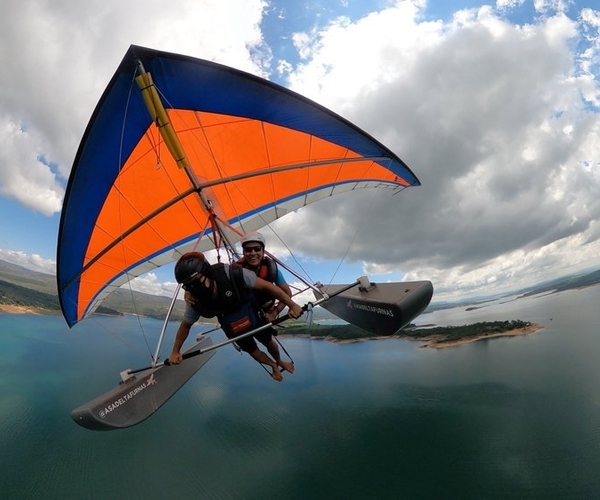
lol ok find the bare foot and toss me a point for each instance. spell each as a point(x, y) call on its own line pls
point(286, 365)
point(277, 375)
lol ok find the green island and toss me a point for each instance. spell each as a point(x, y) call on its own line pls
point(433, 336)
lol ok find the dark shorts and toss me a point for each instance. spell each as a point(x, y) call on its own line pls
point(248, 344)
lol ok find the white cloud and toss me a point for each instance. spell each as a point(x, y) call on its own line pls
point(508, 4)
point(490, 117)
point(150, 284)
point(25, 176)
point(33, 262)
point(544, 6)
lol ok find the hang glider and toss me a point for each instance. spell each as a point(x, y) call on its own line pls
point(182, 153)
point(256, 150)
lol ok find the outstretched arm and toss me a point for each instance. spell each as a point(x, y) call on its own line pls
point(273, 312)
point(182, 334)
point(288, 291)
point(295, 311)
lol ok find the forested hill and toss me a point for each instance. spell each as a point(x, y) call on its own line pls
point(22, 287)
point(32, 280)
point(571, 282)
point(566, 283)
point(15, 295)
point(25, 288)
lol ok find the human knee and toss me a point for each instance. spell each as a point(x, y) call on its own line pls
point(264, 337)
point(247, 345)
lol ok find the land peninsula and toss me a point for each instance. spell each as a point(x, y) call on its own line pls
point(436, 337)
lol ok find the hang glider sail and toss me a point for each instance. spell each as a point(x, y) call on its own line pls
point(255, 150)
point(182, 153)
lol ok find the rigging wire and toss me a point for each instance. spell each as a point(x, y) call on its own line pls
point(120, 160)
point(352, 239)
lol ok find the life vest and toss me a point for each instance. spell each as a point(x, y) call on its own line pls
point(234, 306)
point(230, 292)
point(267, 270)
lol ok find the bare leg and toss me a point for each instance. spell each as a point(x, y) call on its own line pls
point(274, 351)
point(262, 358)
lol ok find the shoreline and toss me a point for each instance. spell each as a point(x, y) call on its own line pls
point(430, 341)
point(437, 341)
point(12, 309)
point(37, 311)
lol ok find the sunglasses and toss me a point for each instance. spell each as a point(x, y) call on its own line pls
point(196, 283)
point(256, 249)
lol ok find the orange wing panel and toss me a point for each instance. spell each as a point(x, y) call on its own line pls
point(150, 179)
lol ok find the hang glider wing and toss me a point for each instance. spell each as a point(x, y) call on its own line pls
point(253, 150)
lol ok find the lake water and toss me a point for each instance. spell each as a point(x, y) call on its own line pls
point(504, 418)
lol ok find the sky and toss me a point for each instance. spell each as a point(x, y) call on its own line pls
point(495, 106)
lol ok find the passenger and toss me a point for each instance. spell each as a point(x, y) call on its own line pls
point(254, 259)
point(227, 292)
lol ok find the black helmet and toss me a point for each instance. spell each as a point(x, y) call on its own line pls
point(189, 266)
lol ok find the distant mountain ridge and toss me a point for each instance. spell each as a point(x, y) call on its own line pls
point(555, 285)
point(20, 296)
point(22, 287)
point(26, 288)
point(23, 277)
point(570, 282)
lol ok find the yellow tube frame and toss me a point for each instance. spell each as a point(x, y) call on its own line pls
point(161, 118)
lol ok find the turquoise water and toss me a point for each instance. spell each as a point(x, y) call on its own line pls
point(505, 418)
